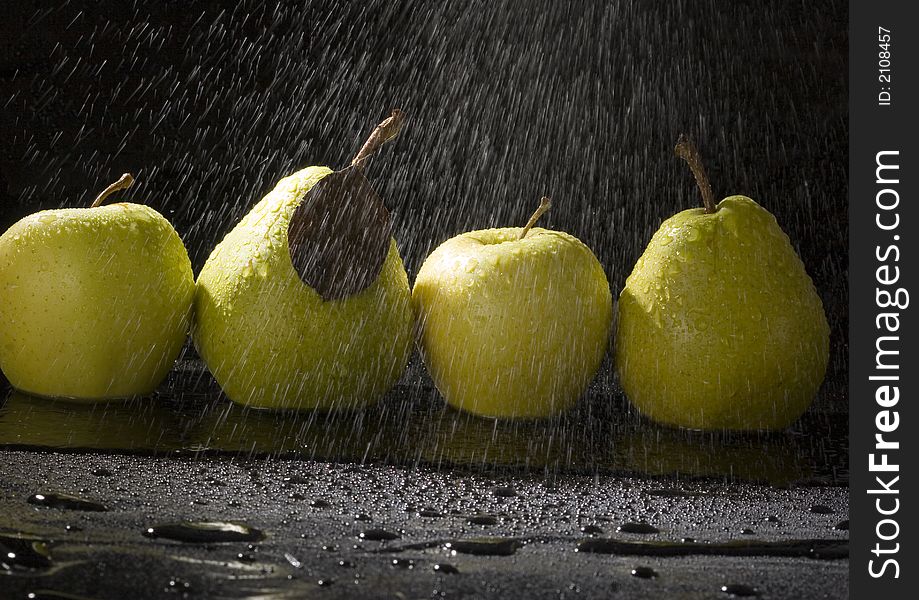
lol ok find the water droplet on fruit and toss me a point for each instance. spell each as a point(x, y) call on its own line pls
point(729, 219)
point(701, 321)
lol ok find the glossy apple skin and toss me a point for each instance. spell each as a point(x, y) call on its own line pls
point(512, 328)
point(719, 325)
point(94, 302)
point(272, 342)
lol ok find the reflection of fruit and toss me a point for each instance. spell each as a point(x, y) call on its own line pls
point(133, 425)
point(512, 325)
point(94, 302)
point(273, 341)
point(771, 458)
point(719, 325)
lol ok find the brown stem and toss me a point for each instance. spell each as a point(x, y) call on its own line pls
point(383, 132)
point(544, 205)
point(122, 184)
point(687, 151)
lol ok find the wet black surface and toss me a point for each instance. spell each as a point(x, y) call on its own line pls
point(209, 500)
point(531, 552)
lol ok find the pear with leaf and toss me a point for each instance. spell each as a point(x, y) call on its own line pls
point(720, 326)
point(305, 304)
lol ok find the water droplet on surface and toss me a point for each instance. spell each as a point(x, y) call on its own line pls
point(642, 528)
point(294, 562)
point(66, 501)
point(739, 590)
point(403, 563)
point(53, 595)
point(503, 491)
point(204, 532)
point(178, 585)
point(445, 568)
point(378, 535)
point(644, 572)
point(484, 546)
point(19, 550)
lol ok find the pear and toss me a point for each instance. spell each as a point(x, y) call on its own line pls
point(719, 324)
point(95, 303)
point(305, 304)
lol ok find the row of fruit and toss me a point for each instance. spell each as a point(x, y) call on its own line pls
point(306, 304)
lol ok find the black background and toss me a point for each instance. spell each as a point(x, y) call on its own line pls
point(210, 103)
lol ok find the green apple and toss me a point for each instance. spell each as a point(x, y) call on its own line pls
point(272, 341)
point(512, 322)
point(719, 325)
point(94, 302)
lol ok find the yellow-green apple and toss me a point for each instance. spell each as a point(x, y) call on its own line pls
point(94, 302)
point(719, 326)
point(306, 303)
point(513, 322)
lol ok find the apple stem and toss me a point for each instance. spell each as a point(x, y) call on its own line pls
point(544, 205)
point(381, 134)
point(126, 181)
point(686, 150)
